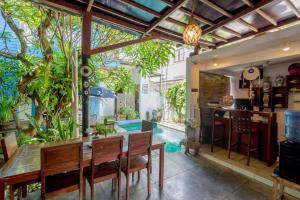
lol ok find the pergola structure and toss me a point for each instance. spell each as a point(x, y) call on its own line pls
point(222, 22)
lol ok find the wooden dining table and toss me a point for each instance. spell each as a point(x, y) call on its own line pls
point(25, 165)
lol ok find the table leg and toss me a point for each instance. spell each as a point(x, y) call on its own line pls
point(2, 190)
point(275, 189)
point(161, 166)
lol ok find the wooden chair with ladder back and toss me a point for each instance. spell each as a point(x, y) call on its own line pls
point(106, 162)
point(62, 170)
point(240, 121)
point(139, 144)
point(9, 147)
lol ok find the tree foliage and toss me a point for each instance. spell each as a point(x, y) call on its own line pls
point(45, 54)
point(176, 98)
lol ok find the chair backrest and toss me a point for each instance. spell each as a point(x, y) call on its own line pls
point(9, 145)
point(61, 159)
point(107, 149)
point(139, 143)
point(206, 116)
point(147, 126)
point(240, 121)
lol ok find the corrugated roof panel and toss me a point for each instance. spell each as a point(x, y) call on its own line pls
point(237, 27)
point(204, 10)
point(171, 26)
point(155, 5)
point(296, 3)
point(182, 17)
point(229, 5)
point(129, 10)
point(223, 34)
point(256, 20)
point(278, 10)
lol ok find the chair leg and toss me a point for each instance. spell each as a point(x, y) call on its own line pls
point(148, 181)
point(249, 148)
point(11, 193)
point(127, 187)
point(212, 137)
point(132, 177)
point(84, 188)
point(119, 186)
point(24, 191)
point(92, 190)
point(139, 175)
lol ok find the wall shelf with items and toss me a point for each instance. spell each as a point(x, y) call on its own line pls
point(279, 97)
point(293, 83)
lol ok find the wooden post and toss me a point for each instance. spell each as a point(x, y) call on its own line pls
point(75, 94)
point(86, 47)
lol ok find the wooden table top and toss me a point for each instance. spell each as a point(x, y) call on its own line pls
point(26, 161)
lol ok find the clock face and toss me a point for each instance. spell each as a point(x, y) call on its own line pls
point(86, 71)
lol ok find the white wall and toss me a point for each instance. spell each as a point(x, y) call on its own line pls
point(150, 100)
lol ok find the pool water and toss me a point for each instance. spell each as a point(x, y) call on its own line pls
point(171, 137)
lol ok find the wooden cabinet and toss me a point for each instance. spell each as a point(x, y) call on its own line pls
point(279, 97)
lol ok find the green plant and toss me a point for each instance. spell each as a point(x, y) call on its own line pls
point(64, 129)
point(102, 129)
point(6, 106)
point(176, 98)
point(133, 114)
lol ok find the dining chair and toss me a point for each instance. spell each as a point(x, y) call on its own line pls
point(147, 125)
point(9, 147)
point(106, 162)
point(139, 144)
point(217, 125)
point(241, 124)
point(62, 170)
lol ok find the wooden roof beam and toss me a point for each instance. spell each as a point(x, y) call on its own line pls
point(179, 23)
point(238, 15)
point(169, 3)
point(232, 32)
point(267, 17)
point(141, 7)
point(121, 45)
point(178, 35)
point(226, 13)
point(165, 15)
point(89, 7)
point(261, 12)
point(292, 6)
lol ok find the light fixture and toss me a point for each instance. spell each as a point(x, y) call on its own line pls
point(192, 32)
point(215, 64)
point(286, 47)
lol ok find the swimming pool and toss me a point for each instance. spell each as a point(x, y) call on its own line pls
point(170, 136)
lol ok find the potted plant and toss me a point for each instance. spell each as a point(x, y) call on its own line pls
point(102, 129)
point(6, 106)
point(190, 140)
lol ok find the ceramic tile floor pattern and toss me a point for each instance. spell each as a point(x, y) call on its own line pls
point(186, 178)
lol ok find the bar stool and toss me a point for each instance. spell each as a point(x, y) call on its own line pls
point(241, 124)
point(216, 124)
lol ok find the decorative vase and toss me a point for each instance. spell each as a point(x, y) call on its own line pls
point(267, 84)
point(279, 80)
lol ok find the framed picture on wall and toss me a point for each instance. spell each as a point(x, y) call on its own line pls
point(244, 84)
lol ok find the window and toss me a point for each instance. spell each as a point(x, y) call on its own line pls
point(179, 55)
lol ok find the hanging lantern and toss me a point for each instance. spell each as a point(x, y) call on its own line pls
point(192, 32)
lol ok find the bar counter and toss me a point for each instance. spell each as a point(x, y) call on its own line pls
point(266, 139)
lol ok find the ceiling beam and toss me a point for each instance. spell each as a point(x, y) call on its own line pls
point(232, 32)
point(292, 6)
point(121, 45)
point(141, 7)
point(89, 7)
point(196, 16)
point(178, 35)
point(169, 3)
point(179, 23)
point(248, 25)
point(226, 13)
point(165, 15)
point(262, 30)
point(267, 17)
point(238, 15)
point(261, 12)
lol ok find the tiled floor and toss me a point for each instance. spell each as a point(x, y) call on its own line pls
point(186, 178)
